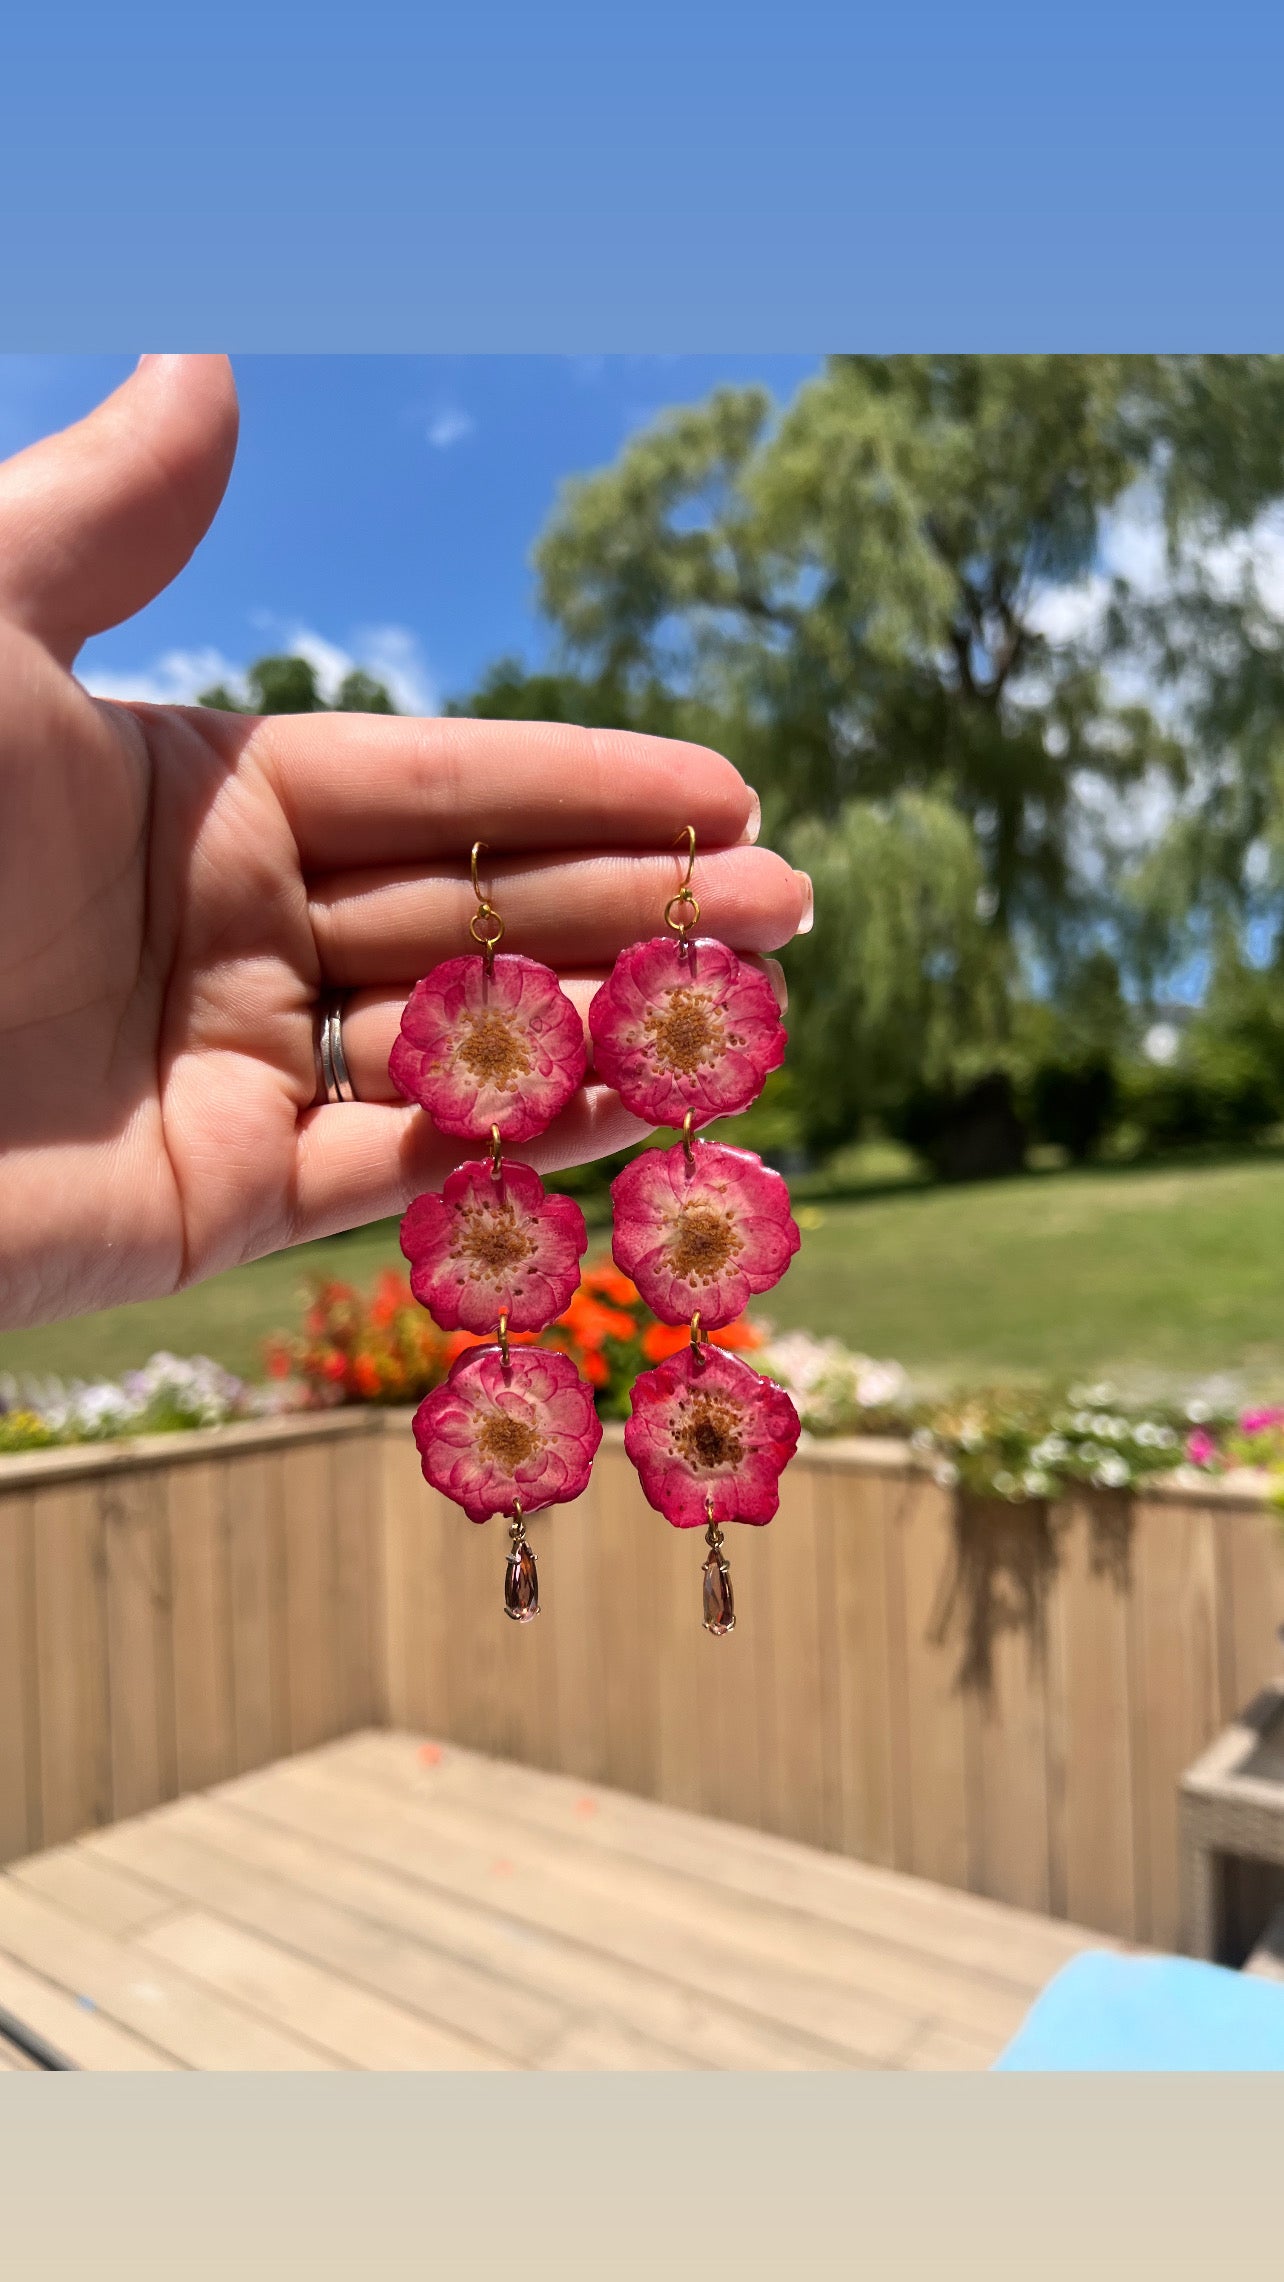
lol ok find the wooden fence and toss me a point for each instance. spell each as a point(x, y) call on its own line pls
point(996, 1698)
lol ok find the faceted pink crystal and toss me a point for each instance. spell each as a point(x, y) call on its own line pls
point(679, 1029)
point(521, 1585)
point(487, 1245)
point(477, 1050)
point(497, 1434)
point(719, 1601)
point(702, 1234)
point(710, 1438)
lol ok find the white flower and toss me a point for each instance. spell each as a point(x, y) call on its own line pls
point(1035, 1483)
point(1050, 1451)
point(1113, 1472)
point(879, 1384)
point(945, 1474)
point(1006, 1485)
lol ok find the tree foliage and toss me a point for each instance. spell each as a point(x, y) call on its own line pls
point(289, 684)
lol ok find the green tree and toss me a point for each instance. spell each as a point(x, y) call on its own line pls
point(288, 684)
point(865, 582)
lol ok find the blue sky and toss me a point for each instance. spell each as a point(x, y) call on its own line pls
point(381, 508)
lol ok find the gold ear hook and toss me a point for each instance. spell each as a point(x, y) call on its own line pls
point(684, 903)
point(486, 927)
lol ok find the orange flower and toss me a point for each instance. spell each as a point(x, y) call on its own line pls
point(365, 1376)
point(737, 1336)
point(594, 1367)
point(660, 1340)
point(590, 1323)
point(606, 1279)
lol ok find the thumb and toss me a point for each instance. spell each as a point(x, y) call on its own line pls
point(96, 520)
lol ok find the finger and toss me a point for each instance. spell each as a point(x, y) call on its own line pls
point(361, 789)
point(96, 520)
point(372, 1019)
point(573, 913)
point(358, 1162)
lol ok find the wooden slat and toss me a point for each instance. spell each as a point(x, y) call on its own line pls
point(139, 1613)
point(975, 1936)
point(204, 1716)
point(91, 1889)
point(1250, 1557)
point(534, 1986)
point(72, 2025)
point(1174, 1693)
point(20, 1826)
point(71, 1661)
point(935, 1734)
point(808, 1975)
point(1007, 1712)
point(354, 1487)
point(794, 1788)
point(138, 1993)
point(308, 1536)
point(482, 2020)
point(256, 1610)
point(1091, 1612)
point(355, 2027)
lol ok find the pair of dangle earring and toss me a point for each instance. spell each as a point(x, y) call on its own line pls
point(684, 1031)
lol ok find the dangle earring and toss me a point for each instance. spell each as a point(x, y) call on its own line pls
point(491, 1047)
point(686, 1031)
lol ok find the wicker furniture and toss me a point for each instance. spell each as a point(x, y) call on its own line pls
point(1232, 1804)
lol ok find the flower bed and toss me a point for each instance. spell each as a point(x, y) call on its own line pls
point(380, 1347)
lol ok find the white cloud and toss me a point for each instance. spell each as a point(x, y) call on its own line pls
point(175, 678)
point(390, 653)
point(448, 427)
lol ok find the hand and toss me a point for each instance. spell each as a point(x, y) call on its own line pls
point(178, 886)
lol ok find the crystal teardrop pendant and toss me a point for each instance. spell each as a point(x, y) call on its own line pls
point(521, 1579)
point(719, 1603)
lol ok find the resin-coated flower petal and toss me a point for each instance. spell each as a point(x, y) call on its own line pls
point(479, 1050)
point(701, 1235)
point(710, 1439)
point(674, 1033)
point(486, 1245)
point(495, 1433)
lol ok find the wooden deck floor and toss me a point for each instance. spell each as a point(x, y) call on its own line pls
point(389, 1903)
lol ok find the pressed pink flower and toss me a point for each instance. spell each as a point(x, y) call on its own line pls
point(497, 1432)
point(476, 1050)
point(707, 1434)
point(673, 1034)
point(702, 1235)
point(485, 1245)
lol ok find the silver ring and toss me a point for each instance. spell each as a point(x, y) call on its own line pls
point(336, 1081)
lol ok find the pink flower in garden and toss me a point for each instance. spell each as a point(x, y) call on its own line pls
point(484, 1245)
point(710, 1437)
point(1262, 1421)
point(496, 1432)
point(673, 1034)
point(476, 1050)
point(1201, 1448)
point(702, 1235)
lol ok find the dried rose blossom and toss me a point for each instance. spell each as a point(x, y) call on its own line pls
point(485, 1246)
point(478, 1051)
point(701, 1235)
point(494, 1433)
point(674, 1033)
point(710, 1439)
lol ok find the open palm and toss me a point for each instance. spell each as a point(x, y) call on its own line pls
point(178, 887)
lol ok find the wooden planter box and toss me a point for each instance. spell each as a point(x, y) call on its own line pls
point(1001, 1699)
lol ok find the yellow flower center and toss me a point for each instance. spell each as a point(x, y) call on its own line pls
point(688, 1031)
point(508, 1441)
point(702, 1242)
point(493, 1049)
point(707, 1437)
point(492, 1240)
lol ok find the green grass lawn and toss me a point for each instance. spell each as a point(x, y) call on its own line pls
point(1173, 1271)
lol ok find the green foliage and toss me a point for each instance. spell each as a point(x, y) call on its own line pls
point(899, 988)
point(289, 685)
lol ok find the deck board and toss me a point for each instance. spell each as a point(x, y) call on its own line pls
point(386, 1902)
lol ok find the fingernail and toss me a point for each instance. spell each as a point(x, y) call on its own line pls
point(808, 920)
point(754, 825)
point(778, 983)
